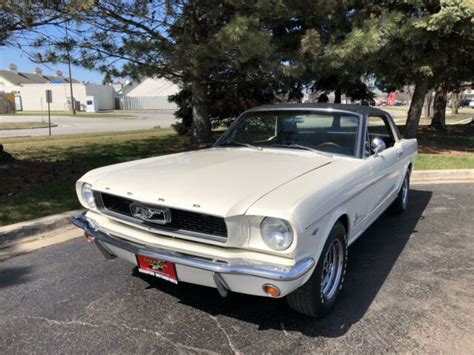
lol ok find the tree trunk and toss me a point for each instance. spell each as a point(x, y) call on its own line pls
point(201, 125)
point(439, 110)
point(455, 103)
point(4, 156)
point(429, 105)
point(416, 106)
point(337, 96)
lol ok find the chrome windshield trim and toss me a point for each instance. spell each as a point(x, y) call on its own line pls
point(358, 153)
point(267, 271)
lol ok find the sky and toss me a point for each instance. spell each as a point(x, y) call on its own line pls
point(10, 54)
point(14, 55)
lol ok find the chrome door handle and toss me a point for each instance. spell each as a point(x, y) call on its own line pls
point(399, 154)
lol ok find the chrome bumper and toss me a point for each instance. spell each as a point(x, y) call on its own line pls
point(268, 271)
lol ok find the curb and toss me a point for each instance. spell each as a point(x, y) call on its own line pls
point(28, 245)
point(35, 229)
point(36, 127)
point(442, 176)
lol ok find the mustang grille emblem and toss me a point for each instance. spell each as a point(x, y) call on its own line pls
point(158, 215)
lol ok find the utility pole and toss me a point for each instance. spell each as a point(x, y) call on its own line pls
point(49, 99)
point(73, 109)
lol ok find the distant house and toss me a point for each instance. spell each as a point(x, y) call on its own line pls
point(29, 90)
point(148, 94)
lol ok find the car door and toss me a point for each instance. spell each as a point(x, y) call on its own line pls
point(385, 166)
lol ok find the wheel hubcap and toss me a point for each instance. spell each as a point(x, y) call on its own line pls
point(405, 192)
point(332, 269)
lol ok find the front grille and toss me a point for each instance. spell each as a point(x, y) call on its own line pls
point(181, 221)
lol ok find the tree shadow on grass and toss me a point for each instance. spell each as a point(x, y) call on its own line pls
point(371, 259)
point(457, 138)
point(45, 183)
point(93, 152)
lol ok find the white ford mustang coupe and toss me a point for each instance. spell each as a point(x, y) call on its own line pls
point(269, 210)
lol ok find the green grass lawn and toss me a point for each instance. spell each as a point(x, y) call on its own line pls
point(437, 161)
point(78, 114)
point(41, 182)
point(451, 119)
point(95, 149)
point(394, 108)
point(464, 113)
point(40, 200)
point(453, 149)
point(47, 168)
point(23, 125)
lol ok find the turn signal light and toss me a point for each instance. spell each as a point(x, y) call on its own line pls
point(271, 290)
point(89, 237)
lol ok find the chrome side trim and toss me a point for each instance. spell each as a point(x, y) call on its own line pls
point(354, 194)
point(269, 271)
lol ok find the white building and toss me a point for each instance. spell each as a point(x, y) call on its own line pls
point(30, 91)
point(148, 94)
point(468, 94)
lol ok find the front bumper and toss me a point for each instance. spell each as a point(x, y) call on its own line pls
point(246, 276)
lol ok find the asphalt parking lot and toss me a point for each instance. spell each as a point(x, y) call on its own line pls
point(409, 288)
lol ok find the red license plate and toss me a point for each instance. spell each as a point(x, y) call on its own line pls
point(156, 267)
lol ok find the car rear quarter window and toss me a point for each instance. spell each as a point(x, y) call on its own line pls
point(379, 127)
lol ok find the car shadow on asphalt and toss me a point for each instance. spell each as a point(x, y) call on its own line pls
point(14, 275)
point(371, 259)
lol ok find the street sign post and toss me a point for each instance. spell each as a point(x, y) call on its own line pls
point(49, 99)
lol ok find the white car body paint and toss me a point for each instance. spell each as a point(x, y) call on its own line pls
point(244, 185)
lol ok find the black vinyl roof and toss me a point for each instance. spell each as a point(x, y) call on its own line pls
point(363, 110)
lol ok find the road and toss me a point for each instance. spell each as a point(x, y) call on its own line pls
point(77, 125)
point(142, 120)
point(409, 288)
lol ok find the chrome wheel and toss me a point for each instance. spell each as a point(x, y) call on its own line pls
point(405, 192)
point(319, 294)
point(332, 269)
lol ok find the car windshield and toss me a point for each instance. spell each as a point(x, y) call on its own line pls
point(317, 131)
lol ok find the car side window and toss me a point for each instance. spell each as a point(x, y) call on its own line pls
point(379, 127)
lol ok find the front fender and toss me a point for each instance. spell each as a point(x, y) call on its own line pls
point(314, 237)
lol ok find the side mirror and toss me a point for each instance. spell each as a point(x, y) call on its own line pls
point(377, 146)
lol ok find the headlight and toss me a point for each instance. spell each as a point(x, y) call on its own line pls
point(88, 195)
point(276, 233)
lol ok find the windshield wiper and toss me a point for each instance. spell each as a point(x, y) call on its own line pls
point(299, 146)
point(242, 145)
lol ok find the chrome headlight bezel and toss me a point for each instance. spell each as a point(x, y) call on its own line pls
point(87, 195)
point(276, 233)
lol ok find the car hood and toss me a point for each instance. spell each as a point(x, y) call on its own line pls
point(218, 181)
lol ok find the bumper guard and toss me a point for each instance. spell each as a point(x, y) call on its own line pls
point(268, 271)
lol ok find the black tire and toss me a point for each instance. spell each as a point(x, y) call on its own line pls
point(401, 202)
point(310, 299)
